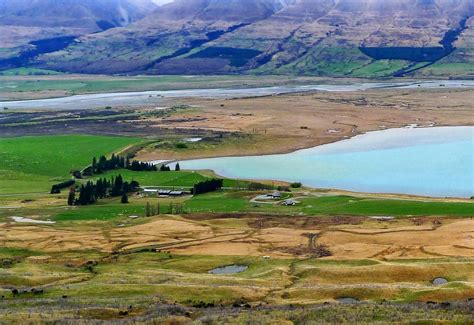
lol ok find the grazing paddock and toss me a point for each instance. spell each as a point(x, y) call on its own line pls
point(33, 164)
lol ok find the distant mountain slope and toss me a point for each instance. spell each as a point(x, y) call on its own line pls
point(24, 21)
point(357, 38)
point(171, 31)
point(81, 14)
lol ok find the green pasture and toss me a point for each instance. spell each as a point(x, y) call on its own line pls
point(32, 164)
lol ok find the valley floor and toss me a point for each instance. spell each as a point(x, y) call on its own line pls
point(335, 257)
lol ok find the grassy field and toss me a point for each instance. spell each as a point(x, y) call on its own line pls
point(230, 202)
point(28, 72)
point(366, 206)
point(32, 164)
point(380, 68)
point(328, 205)
point(180, 179)
point(438, 70)
point(102, 212)
point(143, 279)
point(172, 179)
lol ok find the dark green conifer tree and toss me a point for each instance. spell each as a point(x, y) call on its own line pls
point(71, 197)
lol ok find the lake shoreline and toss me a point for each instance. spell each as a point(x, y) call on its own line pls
point(263, 166)
point(296, 149)
point(336, 191)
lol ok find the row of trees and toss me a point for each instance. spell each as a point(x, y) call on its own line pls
point(165, 168)
point(151, 210)
point(115, 162)
point(139, 166)
point(207, 186)
point(102, 188)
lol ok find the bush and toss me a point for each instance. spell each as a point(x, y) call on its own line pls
point(56, 188)
point(296, 185)
point(207, 186)
point(181, 145)
point(164, 168)
point(164, 145)
point(321, 251)
point(254, 186)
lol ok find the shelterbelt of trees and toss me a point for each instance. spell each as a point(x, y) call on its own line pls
point(102, 188)
point(207, 186)
point(103, 164)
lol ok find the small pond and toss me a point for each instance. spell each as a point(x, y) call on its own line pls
point(229, 269)
point(347, 300)
point(439, 281)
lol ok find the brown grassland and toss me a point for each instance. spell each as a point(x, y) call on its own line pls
point(156, 269)
point(279, 124)
point(258, 235)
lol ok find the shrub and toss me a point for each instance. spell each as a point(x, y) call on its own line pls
point(164, 168)
point(208, 186)
point(321, 251)
point(181, 145)
point(254, 186)
point(56, 188)
point(296, 185)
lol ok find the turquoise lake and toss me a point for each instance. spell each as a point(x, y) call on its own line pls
point(435, 161)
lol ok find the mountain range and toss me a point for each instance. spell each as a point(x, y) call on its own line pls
point(336, 38)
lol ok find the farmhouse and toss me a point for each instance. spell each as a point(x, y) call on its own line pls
point(177, 193)
point(275, 195)
point(164, 192)
point(173, 193)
